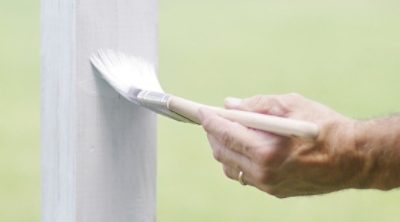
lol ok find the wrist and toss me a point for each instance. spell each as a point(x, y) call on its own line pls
point(339, 138)
point(362, 145)
point(377, 141)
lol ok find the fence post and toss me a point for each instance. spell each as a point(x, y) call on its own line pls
point(98, 150)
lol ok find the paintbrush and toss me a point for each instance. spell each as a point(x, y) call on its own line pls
point(136, 80)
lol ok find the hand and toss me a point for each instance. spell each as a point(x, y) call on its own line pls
point(284, 166)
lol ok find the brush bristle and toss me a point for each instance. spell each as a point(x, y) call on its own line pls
point(125, 73)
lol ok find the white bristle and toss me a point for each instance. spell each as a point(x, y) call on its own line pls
point(125, 73)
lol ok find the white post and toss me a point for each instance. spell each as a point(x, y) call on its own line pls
point(98, 150)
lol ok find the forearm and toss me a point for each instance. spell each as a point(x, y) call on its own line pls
point(379, 141)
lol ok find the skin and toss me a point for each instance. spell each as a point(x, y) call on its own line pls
point(346, 154)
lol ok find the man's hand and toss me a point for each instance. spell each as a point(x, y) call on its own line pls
point(282, 166)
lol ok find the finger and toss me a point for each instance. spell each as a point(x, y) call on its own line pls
point(231, 135)
point(259, 175)
point(271, 105)
point(229, 157)
point(233, 173)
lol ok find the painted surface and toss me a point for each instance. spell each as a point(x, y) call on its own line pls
point(98, 150)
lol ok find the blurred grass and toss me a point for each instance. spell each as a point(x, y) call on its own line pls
point(342, 53)
point(19, 108)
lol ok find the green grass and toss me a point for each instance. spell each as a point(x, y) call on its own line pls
point(342, 53)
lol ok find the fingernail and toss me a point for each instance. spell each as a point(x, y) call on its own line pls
point(232, 101)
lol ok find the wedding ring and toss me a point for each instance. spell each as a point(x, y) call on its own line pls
point(241, 179)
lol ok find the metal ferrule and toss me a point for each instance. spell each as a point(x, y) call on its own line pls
point(158, 102)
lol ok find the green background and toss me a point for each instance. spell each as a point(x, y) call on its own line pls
point(342, 53)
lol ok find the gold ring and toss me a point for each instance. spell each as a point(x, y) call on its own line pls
point(241, 179)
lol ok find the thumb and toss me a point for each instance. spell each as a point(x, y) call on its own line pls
point(271, 105)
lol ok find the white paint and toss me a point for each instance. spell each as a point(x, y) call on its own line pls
point(126, 73)
point(98, 150)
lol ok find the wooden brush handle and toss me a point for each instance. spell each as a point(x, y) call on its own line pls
point(273, 124)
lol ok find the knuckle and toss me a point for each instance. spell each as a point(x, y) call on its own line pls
point(255, 101)
point(218, 155)
point(227, 172)
point(227, 139)
point(264, 156)
point(271, 157)
point(274, 104)
point(207, 123)
point(292, 98)
point(245, 149)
